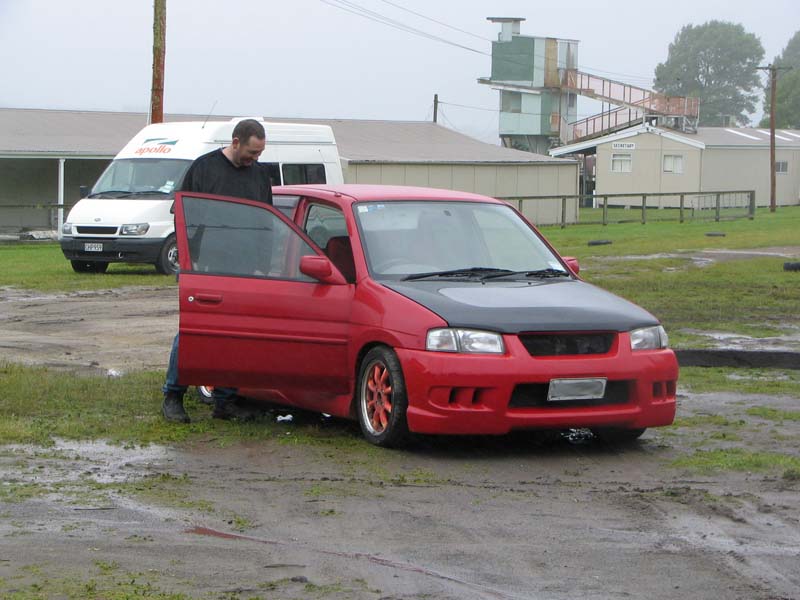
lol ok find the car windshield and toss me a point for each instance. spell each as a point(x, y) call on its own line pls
point(430, 239)
point(141, 178)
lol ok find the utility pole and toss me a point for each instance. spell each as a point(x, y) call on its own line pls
point(159, 50)
point(773, 87)
point(435, 107)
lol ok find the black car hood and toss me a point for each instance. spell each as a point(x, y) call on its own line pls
point(516, 306)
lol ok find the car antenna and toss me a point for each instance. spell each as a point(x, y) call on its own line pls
point(209, 114)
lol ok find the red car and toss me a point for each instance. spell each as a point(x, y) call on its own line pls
point(412, 310)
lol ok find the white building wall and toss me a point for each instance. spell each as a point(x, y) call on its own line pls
point(498, 181)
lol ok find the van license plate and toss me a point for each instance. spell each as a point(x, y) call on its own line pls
point(576, 389)
point(93, 247)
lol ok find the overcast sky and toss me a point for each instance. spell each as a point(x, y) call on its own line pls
point(308, 58)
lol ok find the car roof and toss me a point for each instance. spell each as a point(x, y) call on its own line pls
point(349, 193)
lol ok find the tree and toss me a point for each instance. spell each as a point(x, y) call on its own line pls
point(787, 98)
point(717, 63)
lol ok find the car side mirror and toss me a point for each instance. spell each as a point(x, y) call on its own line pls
point(321, 269)
point(572, 263)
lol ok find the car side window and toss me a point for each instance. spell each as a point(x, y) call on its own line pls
point(226, 238)
point(323, 223)
point(327, 227)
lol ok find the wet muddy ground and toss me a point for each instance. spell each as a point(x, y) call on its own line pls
point(514, 517)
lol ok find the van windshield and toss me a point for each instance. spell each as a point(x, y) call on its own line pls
point(141, 178)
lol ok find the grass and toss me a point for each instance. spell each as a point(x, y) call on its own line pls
point(767, 229)
point(40, 405)
point(773, 382)
point(41, 266)
point(737, 459)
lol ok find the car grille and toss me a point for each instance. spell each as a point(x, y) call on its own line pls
point(560, 344)
point(534, 395)
point(96, 230)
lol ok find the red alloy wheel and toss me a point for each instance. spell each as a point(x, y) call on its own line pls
point(378, 398)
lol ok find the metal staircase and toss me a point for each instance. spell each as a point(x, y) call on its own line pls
point(634, 104)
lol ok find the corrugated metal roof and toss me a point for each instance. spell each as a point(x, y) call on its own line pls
point(90, 134)
point(745, 136)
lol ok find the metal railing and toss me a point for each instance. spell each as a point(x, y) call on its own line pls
point(645, 207)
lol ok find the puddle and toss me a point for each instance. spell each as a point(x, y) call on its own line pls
point(70, 461)
point(790, 342)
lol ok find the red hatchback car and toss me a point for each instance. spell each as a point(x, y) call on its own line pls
point(412, 310)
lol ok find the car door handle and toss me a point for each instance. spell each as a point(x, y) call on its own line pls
point(206, 298)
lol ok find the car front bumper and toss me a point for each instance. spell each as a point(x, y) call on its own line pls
point(134, 250)
point(488, 394)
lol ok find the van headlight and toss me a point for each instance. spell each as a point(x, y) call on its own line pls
point(66, 229)
point(649, 338)
point(134, 229)
point(467, 341)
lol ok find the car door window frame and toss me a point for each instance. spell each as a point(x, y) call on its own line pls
point(184, 255)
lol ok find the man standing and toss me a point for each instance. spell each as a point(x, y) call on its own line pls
point(230, 171)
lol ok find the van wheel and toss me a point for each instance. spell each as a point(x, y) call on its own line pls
point(89, 266)
point(381, 397)
point(167, 263)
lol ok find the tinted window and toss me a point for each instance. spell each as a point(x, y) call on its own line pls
point(300, 174)
point(226, 238)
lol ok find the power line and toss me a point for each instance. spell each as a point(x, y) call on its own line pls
point(480, 37)
point(354, 8)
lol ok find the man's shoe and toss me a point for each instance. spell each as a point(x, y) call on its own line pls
point(231, 408)
point(172, 408)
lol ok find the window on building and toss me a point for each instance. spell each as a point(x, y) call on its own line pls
point(621, 163)
point(673, 163)
point(782, 166)
point(511, 102)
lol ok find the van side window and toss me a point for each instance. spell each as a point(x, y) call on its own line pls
point(299, 174)
point(274, 173)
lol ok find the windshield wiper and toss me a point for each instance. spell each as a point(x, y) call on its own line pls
point(465, 272)
point(119, 193)
point(539, 273)
point(127, 194)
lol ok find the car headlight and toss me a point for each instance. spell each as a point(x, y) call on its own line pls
point(649, 338)
point(467, 341)
point(134, 229)
point(66, 229)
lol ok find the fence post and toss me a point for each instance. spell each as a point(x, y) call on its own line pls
point(752, 214)
point(719, 204)
point(605, 210)
point(644, 209)
point(563, 212)
point(682, 201)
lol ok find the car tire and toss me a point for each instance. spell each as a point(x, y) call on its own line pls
point(205, 394)
point(381, 398)
point(167, 263)
point(614, 435)
point(89, 266)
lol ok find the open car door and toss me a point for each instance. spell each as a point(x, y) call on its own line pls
point(249, 318)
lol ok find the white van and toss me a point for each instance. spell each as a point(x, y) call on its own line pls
point(126, 217)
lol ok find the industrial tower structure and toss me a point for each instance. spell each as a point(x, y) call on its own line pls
point(539, 81)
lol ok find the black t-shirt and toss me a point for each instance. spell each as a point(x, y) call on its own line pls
point(213, 173)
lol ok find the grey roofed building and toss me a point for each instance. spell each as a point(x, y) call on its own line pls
point(658, 160)
point(46, 155)
point(56, 133)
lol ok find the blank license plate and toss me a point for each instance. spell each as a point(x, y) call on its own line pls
point(93, 247)
point(576, 389)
